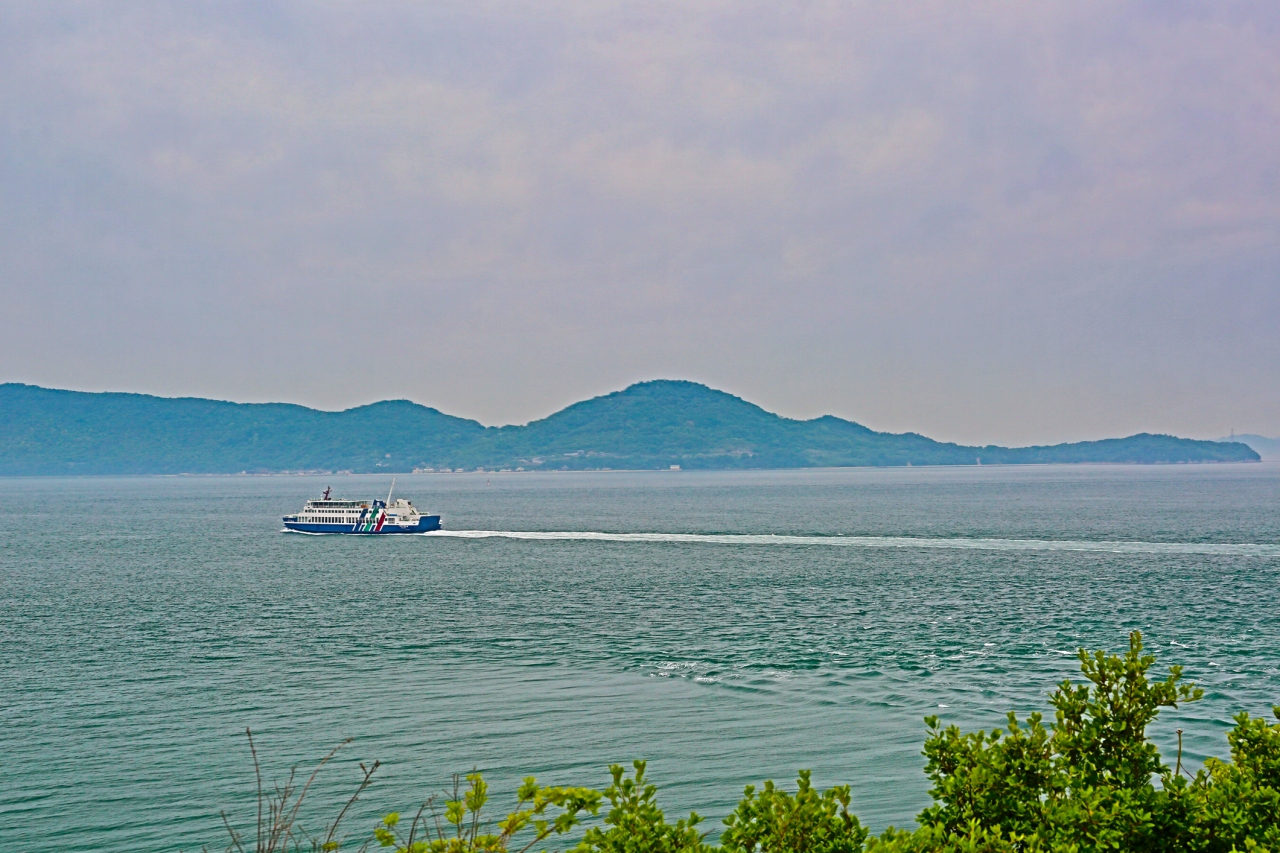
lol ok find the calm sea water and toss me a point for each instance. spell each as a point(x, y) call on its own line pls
point(762, 623)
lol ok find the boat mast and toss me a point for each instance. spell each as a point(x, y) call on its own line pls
point(390, 490)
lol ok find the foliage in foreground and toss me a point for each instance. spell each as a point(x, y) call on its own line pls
point(1090, 780)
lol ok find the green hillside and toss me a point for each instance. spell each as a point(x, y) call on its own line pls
point(44, 431)
point(662, 423)
point(648, 425)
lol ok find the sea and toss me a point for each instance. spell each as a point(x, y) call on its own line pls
point(726, 627)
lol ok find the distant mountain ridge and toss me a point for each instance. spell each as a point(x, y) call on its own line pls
point(1267, 448)
point(648, 425)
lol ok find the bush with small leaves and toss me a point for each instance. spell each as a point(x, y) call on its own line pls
point(1228, 805)
point(635, 824)
point(464, 830)
point(1093, 781)
point(775, 821)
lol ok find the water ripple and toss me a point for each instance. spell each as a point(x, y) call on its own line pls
point(744, 639)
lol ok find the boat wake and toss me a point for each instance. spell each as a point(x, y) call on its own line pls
point(955, 543)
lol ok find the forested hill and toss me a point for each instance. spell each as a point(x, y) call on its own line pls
point(649, 425)
point(44, 431)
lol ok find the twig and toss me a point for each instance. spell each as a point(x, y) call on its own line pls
point(297, 803)
point(364, 783)
point(1178, 771)
point(413, 827)
point(257, 772)
point(235, 836)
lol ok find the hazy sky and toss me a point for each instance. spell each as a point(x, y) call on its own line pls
point(985, 221)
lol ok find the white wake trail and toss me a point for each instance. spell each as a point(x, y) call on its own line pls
point(957, 543)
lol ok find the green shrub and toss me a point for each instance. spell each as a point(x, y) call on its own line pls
point(1092, 780)
point(463, 829)
point(774, 821)
point(635, 824)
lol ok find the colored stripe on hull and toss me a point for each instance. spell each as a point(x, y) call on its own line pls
point(425, 524)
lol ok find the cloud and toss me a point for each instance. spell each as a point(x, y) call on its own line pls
point(989, 222)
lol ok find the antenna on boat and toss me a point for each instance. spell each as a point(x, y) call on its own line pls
point(390, 490)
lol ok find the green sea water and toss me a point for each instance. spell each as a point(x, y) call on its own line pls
point(728, 627)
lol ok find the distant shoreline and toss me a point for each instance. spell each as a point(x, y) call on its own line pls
point(656, 471)
point(662, 425)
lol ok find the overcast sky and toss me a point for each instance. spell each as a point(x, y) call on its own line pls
point(1004, 222)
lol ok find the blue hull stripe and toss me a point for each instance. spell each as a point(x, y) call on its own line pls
point(425, 524)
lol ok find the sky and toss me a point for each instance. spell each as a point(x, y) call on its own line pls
point(1000, 222)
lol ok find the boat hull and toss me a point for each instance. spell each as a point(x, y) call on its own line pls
point(426, 524)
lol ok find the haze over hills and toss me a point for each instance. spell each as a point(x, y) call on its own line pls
point(1267, 448)
point(649, 425)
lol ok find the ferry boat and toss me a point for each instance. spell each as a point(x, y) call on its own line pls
point(334, 516)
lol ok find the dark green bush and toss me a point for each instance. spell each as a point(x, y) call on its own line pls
point(1092, 780)
point(1089, 781)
